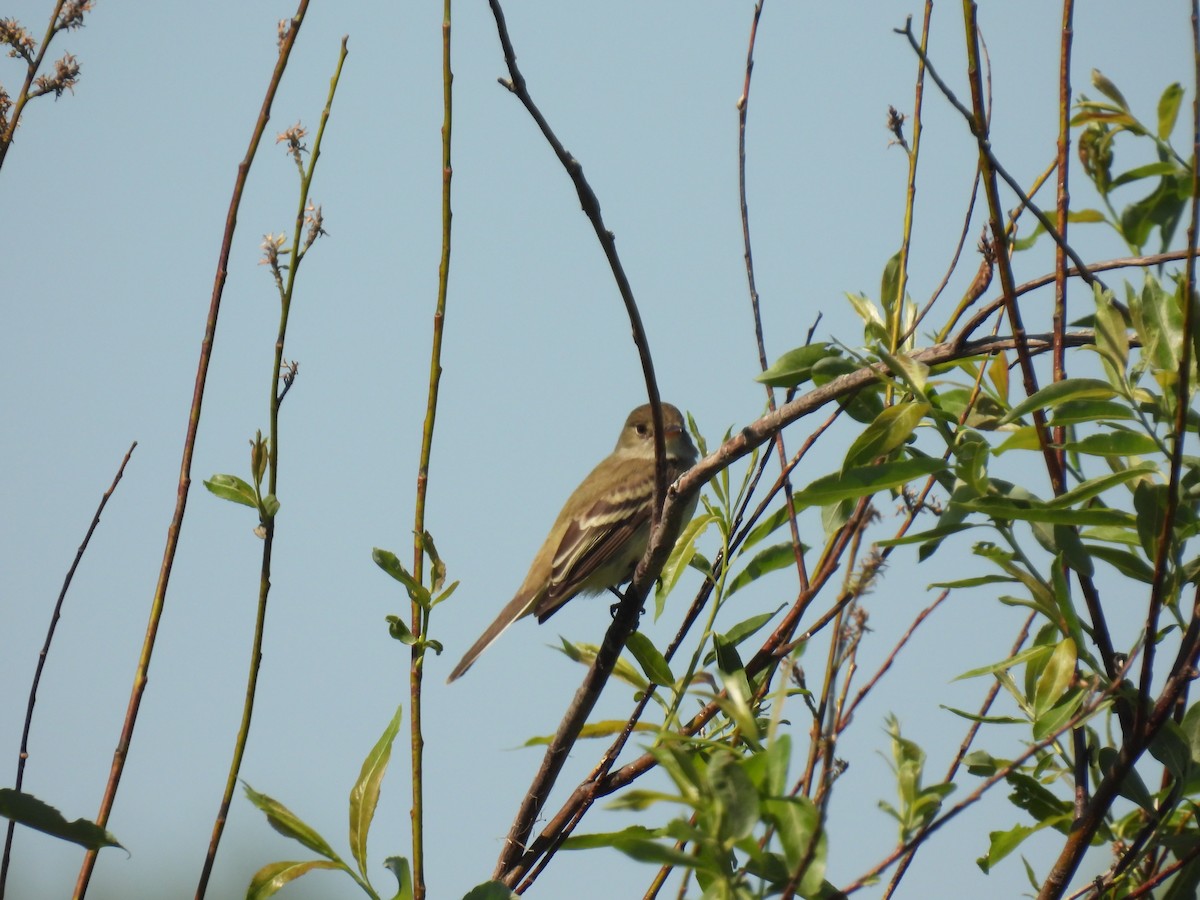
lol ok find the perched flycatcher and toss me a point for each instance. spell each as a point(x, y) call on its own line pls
point(602, 531)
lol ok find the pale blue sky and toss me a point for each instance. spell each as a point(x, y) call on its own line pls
point(112, 203)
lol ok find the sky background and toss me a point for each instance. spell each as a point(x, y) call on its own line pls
point(112, 203)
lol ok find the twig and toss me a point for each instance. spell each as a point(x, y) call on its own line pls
point(23, 755)
point(189, 445)
point(279, 374)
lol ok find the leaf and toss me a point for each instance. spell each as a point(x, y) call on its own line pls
point(606, 728)
point(390, 563)
point(736, 796)
point(28, 810)
point(1056, 677)
point(1109, 90)
point(230, 487)
point(491, 890)
point(795, 367)
point(1093, 487)
point(586, 655)
point(268, 880)
point(598, 839)
point(891, 429)
point(1168, 109)
point(364, 796)
point(290, 825)
point(769, 559)
point(1060, 392)
point(1114, 443)
point(863, 481)
point(1074, 412)
point(797, 822)
point(1027, 511)
point(398, 866)
point(1002, 843)
point(653, 663)
point(681, 556)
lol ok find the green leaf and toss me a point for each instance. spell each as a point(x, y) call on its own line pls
point(1002, 843)
point(230, 487)
point(1027, 511)
point(28, 810)
point(1056, 677)
point(400, 631)
point(797, 822)
point(1060, 392)
point(1172, 748)
point(735, 795)
point(1150, 503)
point(769, 559)
point(290, 825)
point(1168, 109)
point(268, 880)
point(1128, 564)
point(586, 655)
point(653, 663)
point(1114, 443)
point(891, 429)
point(605, 728)
point(681, 556)
point(1131, 787)
point(364, 796)
point(390, 563)
point(795, 367)
point(1093, 487)
point(491, 890)
point(398, 866)
point(596, 840)
point(863, 481)
point(1109, 90)
point(1074, 412)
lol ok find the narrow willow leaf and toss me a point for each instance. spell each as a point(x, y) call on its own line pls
point(1060, 392)
point(653, 663)
point(997, 371)
point(610, 838)
point(1008, 510)
point(398, 866)
point(680, 558)
point(1093, 487)
point(230, 487)
point(769, 559)
point(797, 822)
point(986, 720)
point(364, 796)
point(795, 367)
point(1002, 843)
point(491, 890)
point(1056, 677)
point(1004, 664)
point(31, 812)
point(586, 654)
point(1108, 89)
point(1168, 109)
point(390, 563)
point(290, 825)
point(272, 877)
point(1114, 443)
point(891, 429)
point(866, 480)
point(606, 728)
point(736, 796)
point(1075, 412)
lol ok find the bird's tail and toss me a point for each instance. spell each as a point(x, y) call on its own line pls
point(519, 606)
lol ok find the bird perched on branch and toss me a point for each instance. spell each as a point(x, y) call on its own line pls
point(603, 529)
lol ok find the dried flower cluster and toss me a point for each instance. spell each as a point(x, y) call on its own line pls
point(294, 138)
point(65, 77)
point(71, 16)
point(17, 38)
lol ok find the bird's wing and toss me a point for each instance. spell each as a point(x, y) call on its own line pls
point(598, 539)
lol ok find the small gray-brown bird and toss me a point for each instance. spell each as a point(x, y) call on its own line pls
point(602, 531)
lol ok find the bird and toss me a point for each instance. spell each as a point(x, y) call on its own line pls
point(603, 528)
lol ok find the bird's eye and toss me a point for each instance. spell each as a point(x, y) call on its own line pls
point(641, 429)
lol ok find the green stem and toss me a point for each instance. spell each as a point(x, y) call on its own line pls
point(420, 616)
point(268, 520)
